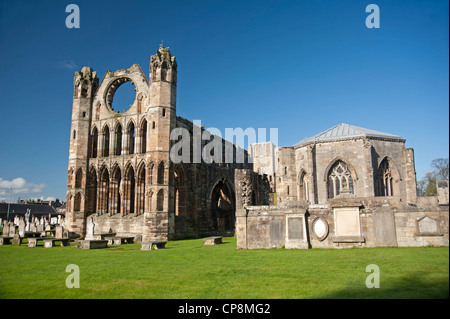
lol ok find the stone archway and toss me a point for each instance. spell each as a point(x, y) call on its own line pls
point(222, 208)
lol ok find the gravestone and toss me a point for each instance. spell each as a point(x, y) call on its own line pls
point(12, 229)
point(17, 240)
point(21, 227)
point(58, 232)
point(90, 228)
point(5, 229)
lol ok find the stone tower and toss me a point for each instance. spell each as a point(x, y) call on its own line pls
point(158, 222)
point(85, 84)
point(119, 164)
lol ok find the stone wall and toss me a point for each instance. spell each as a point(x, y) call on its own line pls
point(375, 224)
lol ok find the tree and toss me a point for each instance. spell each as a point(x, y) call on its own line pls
point(440, 170)
point(427, 186)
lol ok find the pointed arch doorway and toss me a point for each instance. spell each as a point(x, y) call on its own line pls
point(222, 208)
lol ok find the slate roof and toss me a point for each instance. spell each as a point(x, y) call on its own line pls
point(344, 131)
point(20, 210)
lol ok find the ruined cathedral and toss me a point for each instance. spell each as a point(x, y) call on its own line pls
point(347, 186)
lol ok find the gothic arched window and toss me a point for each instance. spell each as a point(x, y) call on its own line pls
point(303, 187)
point(339, 178)
point(384, 184)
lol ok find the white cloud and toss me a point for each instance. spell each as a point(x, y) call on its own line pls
point(19, 185)
point(68, 64)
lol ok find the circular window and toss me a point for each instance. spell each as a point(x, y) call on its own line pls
point(121, 95)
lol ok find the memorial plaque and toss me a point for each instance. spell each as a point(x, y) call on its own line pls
point(276, 230)
point(320, 229)
point(427, 225)
point(346, 221)
point(295, 228)
point(384, 224)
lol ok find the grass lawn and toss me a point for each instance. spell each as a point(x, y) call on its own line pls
point(188, 269)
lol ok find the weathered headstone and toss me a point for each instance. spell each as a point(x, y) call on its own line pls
point(16, 240)
point(58, 232)
point(90, 228)
point(21, 227)
point(12, 229)
point(5, 229)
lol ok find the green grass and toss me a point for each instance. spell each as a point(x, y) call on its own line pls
point(188, 269)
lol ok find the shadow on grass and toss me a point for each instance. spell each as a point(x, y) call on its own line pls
point(420, 285)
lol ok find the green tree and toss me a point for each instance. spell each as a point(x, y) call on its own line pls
point(440, 171)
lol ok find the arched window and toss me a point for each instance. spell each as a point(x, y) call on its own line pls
point(144, 136)
point(84, 89)
point(91, 197)
point(131, 138)
point(129, 190)
point(161, 169)
point(115, 193)
point(160, 200)
point(78, 178)
point(103, 193)
point(151, 167)
point(94, 143)
point(384, 181)
point(70, 178)
point(140, 191)
point(77, 202)
point(106, 141)
point(303, 187)
point(339, 178)
point(118, 144)
point(180, 191)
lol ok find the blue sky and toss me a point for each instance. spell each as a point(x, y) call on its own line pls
point(299, 66)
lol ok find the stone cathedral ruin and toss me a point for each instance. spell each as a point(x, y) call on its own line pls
point(347, 186)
